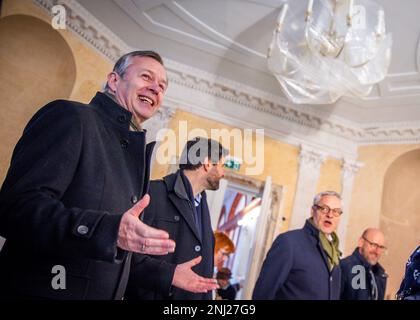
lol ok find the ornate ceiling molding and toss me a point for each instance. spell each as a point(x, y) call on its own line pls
point(90, 29)
point(279, 107)
point(86, 26)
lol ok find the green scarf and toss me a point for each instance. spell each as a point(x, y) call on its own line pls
point(330, 247)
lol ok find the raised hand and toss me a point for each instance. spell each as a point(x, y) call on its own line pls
point(187, 279)
point(136, 236)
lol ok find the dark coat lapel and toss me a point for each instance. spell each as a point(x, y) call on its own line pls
point(178, 196)
point(315, 234)
point(149, 151)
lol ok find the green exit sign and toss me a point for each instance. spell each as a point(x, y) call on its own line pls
point(232, 164)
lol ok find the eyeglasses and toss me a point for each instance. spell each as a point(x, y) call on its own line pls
point(375, 245)
point(326, 210)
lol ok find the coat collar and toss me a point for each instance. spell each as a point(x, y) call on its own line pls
point(314, 233)
point(179, 197)
point(179, 187)
point(311, 229)
point(111, 110)
point(182, 192)
point(361, 259)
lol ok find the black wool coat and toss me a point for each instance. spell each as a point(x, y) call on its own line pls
point(76, 169)
point(170, 209)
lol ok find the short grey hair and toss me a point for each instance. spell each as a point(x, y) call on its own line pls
point(318, 197)
point(126, 60)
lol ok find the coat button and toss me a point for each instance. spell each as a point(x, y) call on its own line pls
point(197, 248)
point(82, 229)
point(122, 119)
point(124, 144)
point(176, 218)
point(134, 199)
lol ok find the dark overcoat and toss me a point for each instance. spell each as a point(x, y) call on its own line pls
point(76, 169)
point(351, 292)
point(170, 209)
point(296, 268)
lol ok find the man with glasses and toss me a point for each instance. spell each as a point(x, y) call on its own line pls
point(304, 263)
point(363, 278)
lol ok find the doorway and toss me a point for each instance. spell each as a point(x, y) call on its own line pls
point(247, 210)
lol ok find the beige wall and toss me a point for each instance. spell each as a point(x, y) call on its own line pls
point(36, 66)
point(39, 64)
point(370, 203)
point(400, 213)
point(280, 160)
point(330, 176)
point(91, 67)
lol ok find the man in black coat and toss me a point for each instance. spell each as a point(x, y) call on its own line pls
point(362, 277)
point(179, 206)
point(77, 183)
point(304, 264)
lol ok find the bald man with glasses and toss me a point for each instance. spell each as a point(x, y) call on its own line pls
point(363, 278)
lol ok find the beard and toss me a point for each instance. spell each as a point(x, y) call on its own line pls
point(213, 183)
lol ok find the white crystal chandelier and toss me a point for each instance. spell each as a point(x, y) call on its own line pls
point(324, 49)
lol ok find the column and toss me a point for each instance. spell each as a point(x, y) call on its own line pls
point(349, 169)
point(158, 122)
point(310, 162)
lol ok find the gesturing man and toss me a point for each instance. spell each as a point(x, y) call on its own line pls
point(179, 206)
point(71, 195)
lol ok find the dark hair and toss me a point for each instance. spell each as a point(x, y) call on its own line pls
point(126, 60)
point(195, 151)
point(224, 273)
